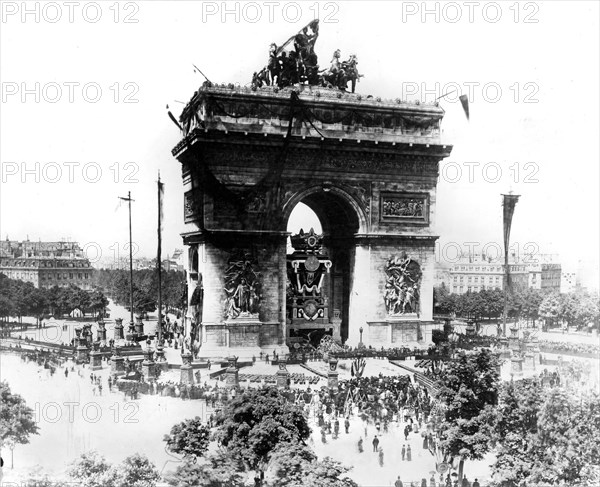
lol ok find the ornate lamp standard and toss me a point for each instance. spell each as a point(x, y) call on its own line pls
point(453, 338)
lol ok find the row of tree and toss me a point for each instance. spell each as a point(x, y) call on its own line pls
point(116, 284)
point(19, 298)
point(575, 309)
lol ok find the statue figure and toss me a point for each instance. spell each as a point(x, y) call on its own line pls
point(351, 71)
point(241, 286)
point(401, 294)
point(273, 67)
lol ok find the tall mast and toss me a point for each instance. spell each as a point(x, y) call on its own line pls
point(158, 262)
point(129, 200)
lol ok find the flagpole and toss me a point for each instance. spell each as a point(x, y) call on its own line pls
point(158, 264)
point(508, 202)
point(160, 357)
point(129, 200)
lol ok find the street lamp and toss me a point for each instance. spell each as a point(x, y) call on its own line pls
point(360, 343)
point(453, 338)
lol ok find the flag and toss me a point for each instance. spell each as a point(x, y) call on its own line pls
point(464, 100)
point(161, 192)
point(509, 202)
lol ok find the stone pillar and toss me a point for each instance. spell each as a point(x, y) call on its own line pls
point(161, 361)
point(118, 329)
point(516, 366)
point(513, 340)
point(148, 365)
point(231, 374)
point(117, 366)
point(101, 331)
point(332, 374)
point(139, 326)
point(187, 373)
point(95, 357)
point(81, 349)
point(530, 360)
point(360, 292)
point(283, 376)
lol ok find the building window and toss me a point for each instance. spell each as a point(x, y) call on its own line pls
point(70, 275)
point(79, 275)
point(86, 275)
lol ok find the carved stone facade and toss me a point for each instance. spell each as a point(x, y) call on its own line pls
point(369, 173)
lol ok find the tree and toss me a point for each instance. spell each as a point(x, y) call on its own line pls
point(550, 308)
point(468, 392)
point(217, 470)
point(92, 470)
point(17, 422)
point(189, 438)
point(136, 471)
point(518, 409)
point(295, 465)
point(255, 422)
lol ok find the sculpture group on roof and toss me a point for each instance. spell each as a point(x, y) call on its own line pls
point(300, 65)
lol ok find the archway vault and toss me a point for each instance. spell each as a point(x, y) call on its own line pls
point(338, 211)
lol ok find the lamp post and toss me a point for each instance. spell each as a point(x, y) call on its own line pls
point(360, 343)
point(453, 338)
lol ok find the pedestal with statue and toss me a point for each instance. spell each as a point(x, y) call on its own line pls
point(283, 376)
point(117, 362)
point(148, 364)
point(95, 357)
point(333, 374)
point(231, 373)
point(187, 372)
point(118, 329)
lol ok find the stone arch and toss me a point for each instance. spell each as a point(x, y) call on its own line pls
point(325, 201)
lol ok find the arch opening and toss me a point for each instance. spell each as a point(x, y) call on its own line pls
point(320, 274)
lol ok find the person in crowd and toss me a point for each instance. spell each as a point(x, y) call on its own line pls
point(375, 443)
point(403, 452)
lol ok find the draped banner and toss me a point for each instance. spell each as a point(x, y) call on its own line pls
point(509, 202)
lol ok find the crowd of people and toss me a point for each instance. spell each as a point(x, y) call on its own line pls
point(571, 348)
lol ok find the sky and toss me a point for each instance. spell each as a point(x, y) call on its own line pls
point(85, 87)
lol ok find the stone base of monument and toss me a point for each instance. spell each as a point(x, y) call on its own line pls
point(530, 361)
point(95, 360)
point(283, 377)
point(148, 369)
point(81, 353)
point(117, 365)
point(397, 331)
point(161, 361)
point(244, 337)
point(118, 332)
point(231, 377)
point(516, 366)
point(187, 374)
point(332, 379)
